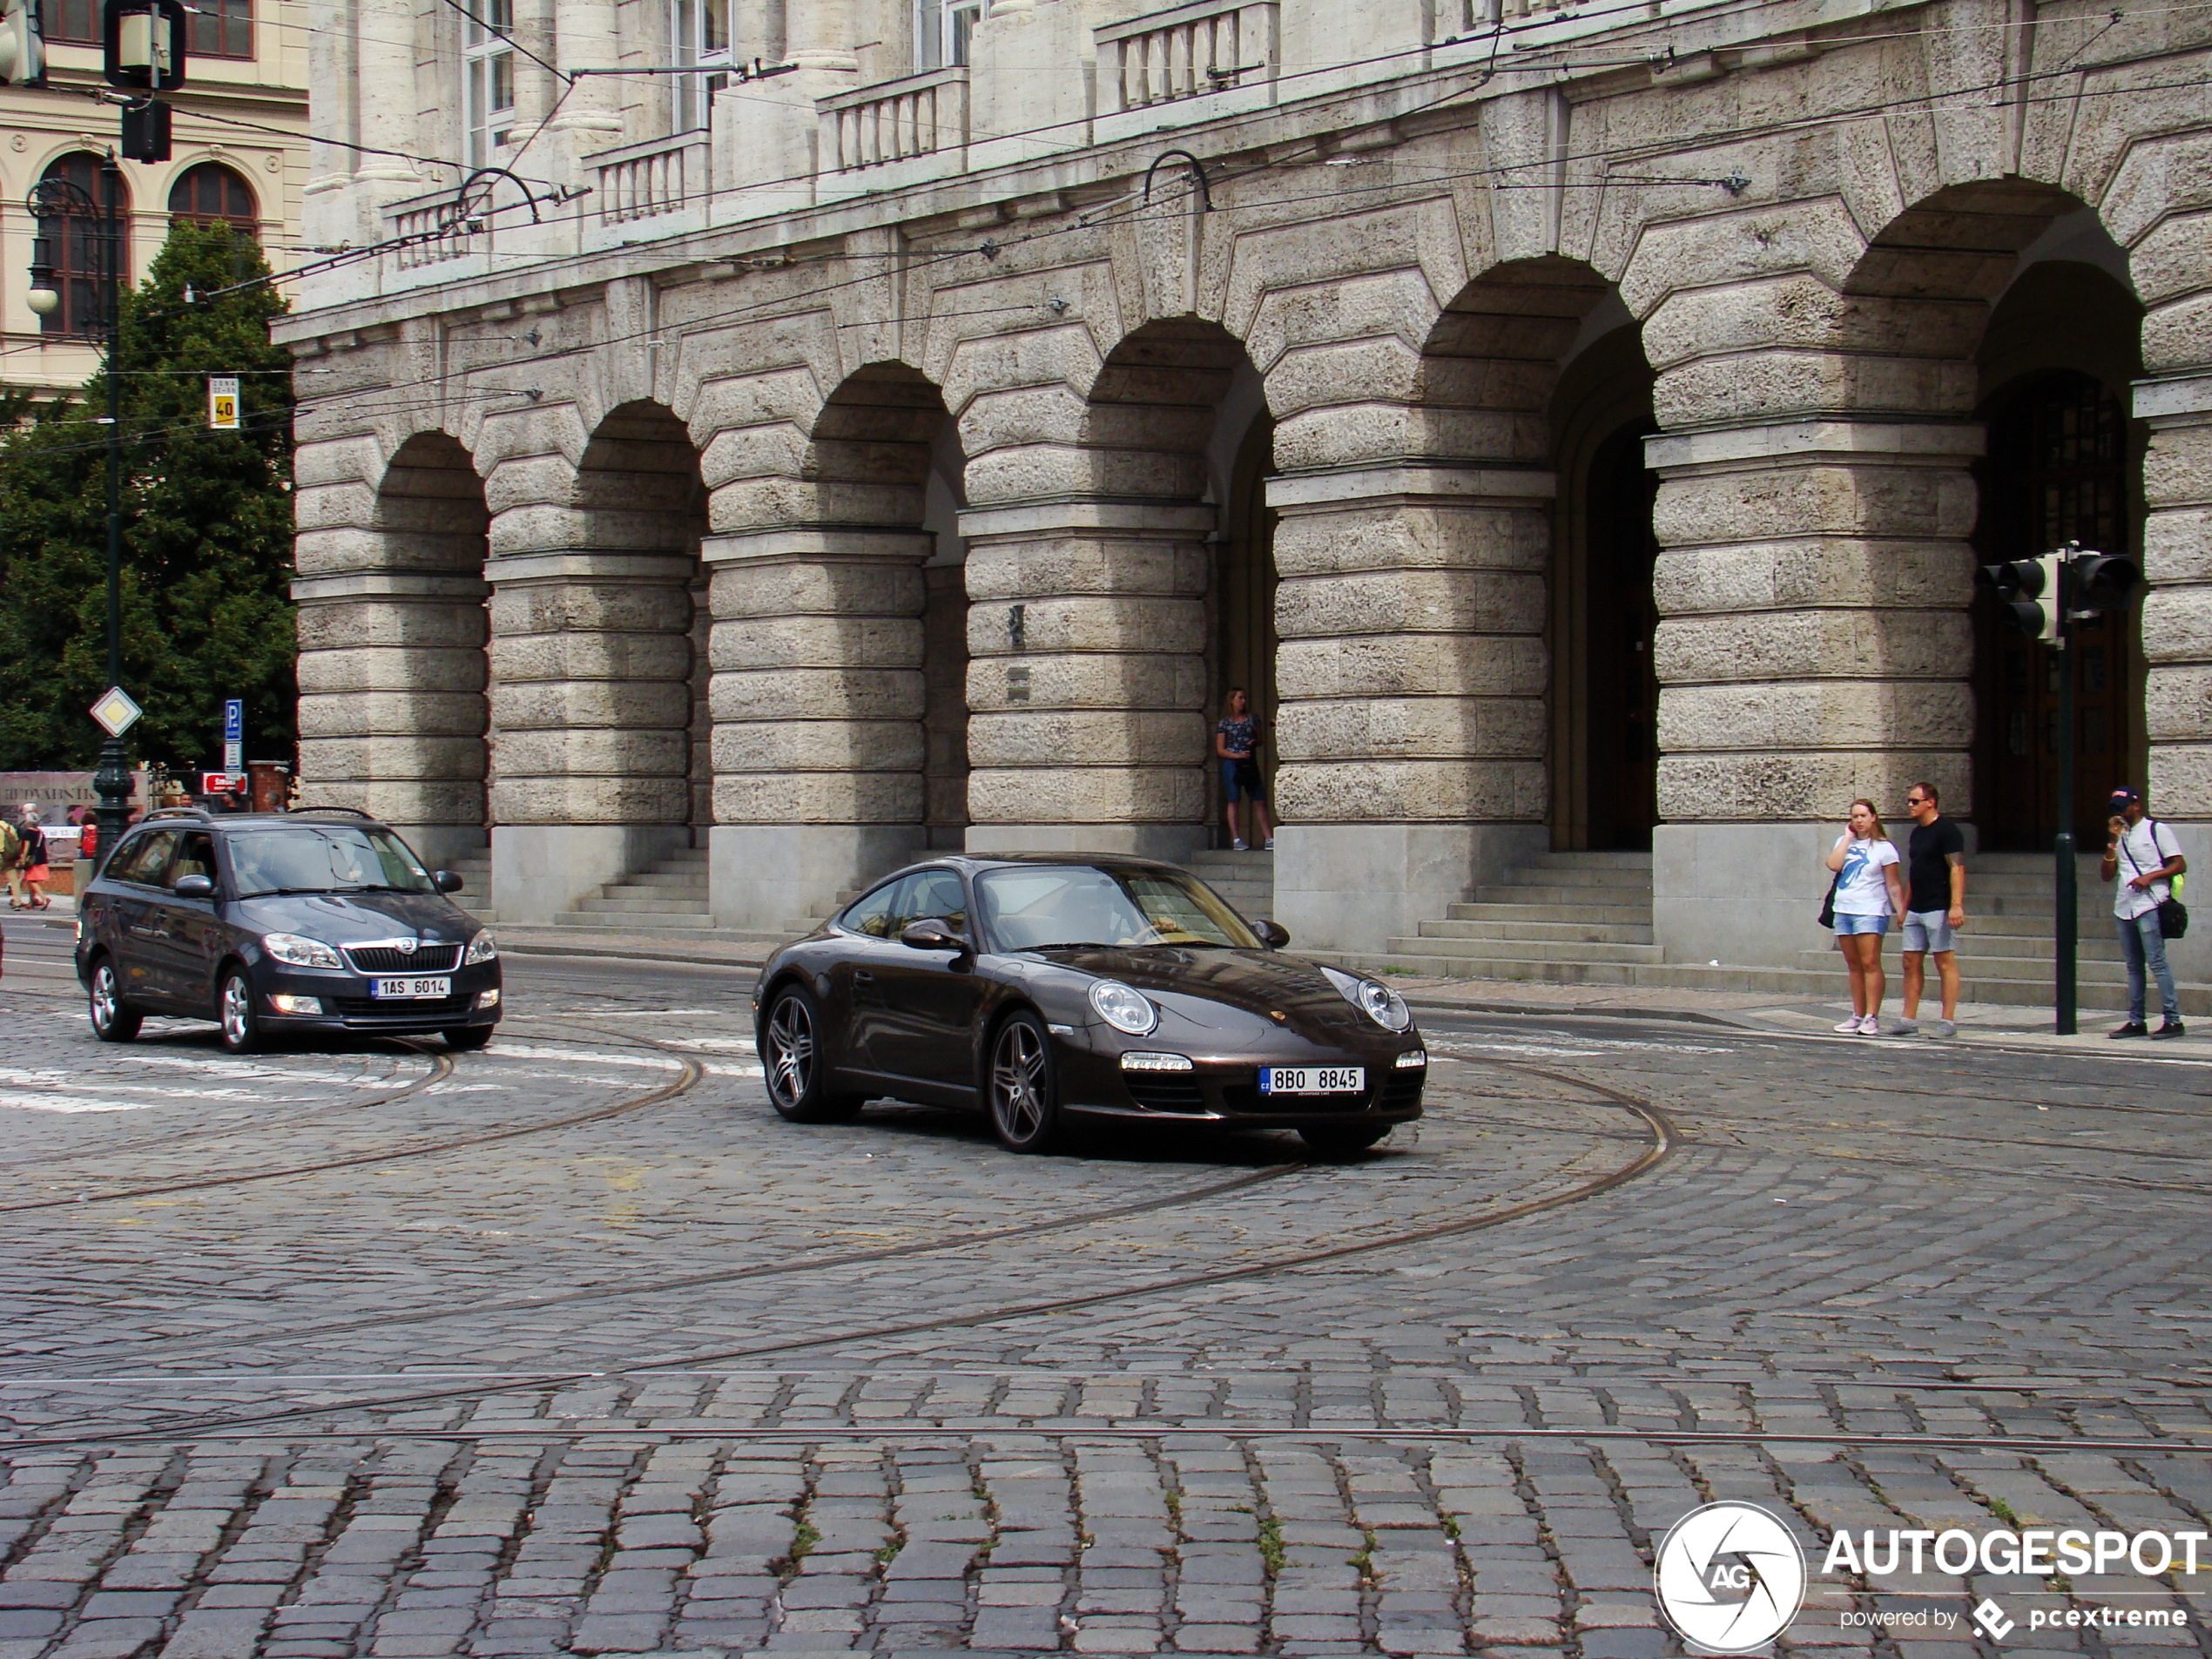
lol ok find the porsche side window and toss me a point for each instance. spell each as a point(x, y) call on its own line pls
point(930, 895)
point(871, 912)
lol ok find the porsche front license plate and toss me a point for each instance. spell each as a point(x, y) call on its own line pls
point(1311, 1080)
point(405, 987)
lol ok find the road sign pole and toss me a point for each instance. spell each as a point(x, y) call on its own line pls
point(111, 783)
point(2069, 870)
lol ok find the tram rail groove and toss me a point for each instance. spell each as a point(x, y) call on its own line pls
point(1662, 1140)
point(690, 1070)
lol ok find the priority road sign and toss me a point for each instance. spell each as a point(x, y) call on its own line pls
point(115, 712)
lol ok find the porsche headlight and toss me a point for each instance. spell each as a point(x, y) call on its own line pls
point(1124, 1008)
point(483, 948)
point(1378, 1002)
point(300, 952)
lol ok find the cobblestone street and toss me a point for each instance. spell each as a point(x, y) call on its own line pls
point(572, 1347)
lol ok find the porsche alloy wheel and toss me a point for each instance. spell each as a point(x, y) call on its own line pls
point(791, 1055)
point(1024, 1115)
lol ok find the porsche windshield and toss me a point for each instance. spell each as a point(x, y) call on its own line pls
point(1038, 907)
point(324, 858)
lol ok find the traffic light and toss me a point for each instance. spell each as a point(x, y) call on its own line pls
point(2027, 593)
point(143, 44)
point(145, 130)
point(22, 46)
point(2104, 581)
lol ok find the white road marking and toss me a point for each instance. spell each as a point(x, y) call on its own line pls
point(70, 1103)
point(513, 1051)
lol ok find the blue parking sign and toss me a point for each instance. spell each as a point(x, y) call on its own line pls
point(234, 720)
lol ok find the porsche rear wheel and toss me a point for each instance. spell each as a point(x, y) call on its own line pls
point(1025, 1106)
point(1342, 1140)
point(792, 1057)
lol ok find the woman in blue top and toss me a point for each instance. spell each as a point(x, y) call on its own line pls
point(1236, 743)
point(1869, 890)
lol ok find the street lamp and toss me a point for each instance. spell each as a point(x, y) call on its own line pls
point(54, 201)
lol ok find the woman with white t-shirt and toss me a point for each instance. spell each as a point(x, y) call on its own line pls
point(1870, 889)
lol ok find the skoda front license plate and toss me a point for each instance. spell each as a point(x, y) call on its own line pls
point(406, 988)
point(1311, 1080)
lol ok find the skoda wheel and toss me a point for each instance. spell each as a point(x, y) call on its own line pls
point(1342, 1140)
point(791, 1058)
point(241, 1031)
point(1025, 1114)
point(113, 1020)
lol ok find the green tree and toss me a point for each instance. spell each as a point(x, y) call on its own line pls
point(206, 528)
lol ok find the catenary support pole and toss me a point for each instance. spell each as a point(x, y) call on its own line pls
point(111, 783)
point(2067, 871)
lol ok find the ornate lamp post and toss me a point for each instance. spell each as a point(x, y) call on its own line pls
point(54, 203)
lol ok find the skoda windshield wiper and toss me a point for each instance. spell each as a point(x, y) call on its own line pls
point(281, 892)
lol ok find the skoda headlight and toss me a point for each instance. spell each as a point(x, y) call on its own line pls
point(300, 952)
point(1124, 1008)
point(483, 948)
point(1378, 1002)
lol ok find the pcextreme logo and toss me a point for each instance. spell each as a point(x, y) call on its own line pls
point(1729, 1577)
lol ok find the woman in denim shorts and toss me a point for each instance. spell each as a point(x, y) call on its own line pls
point(1236, 744)
point(1869, 891)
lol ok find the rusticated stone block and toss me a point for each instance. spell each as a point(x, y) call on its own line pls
point(2177, 469)
point(1819, 498)
point(2181, 779)
point(1397, 664)
point(593, 656)
point(1392, 792)
point(1791, 576)
point(1483, 602)
point(1413, 728)
point(2177, 625)
point(344, 625)
point(1846, 644)
point(383, 669)
point(1369, 432)
point(426, 713)
point(1042, 472)
point(580, 607)
point(1771, 384)
point(1762, 787)
point(1087, 795)
point(2177, 546)
point(1124, 623)
point(366, 756)
point(590, 800)
point(1477, 535)
point(2178, 336)
point(817, 642)
point(1030, 684)
point(1817, 714)
point(396, 800)
point(550, 705)
point(818, 798)
point(1086, 561)
point(2174, 259)
point(1087, 738)
point(818, 694)
point(779, 588)
point(818, 746)
point(2177, 702)
point(759, 503)
point(593, 753)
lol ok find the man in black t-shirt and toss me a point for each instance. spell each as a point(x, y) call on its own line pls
point(1935, 908)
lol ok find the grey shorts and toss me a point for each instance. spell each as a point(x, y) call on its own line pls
point(1927, 930)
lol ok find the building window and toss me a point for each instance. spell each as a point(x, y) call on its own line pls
point(488, 87)
point(75, 21)
point(76, 242)
point(222, 29)
point(699, 30)
point(942, 30)
point(211, 194)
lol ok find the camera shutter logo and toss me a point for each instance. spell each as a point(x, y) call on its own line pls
point(1729, 1577)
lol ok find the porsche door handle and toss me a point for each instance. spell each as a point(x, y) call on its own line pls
point(861, 976)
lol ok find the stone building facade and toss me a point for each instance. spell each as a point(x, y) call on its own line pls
point(1577, 425)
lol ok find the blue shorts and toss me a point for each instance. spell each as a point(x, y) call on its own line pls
point(1230, 793)
point(1862, 924)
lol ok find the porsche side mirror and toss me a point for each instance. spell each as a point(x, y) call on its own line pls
point(193, 886)
point(446, 881)
point(931, 934)
point(1273, 934)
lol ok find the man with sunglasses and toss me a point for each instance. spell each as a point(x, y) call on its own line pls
point(1935, 908)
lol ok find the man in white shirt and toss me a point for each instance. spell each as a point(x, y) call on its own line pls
point(2143, 853)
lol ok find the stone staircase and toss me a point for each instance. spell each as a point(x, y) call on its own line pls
point(798, 927)
point(1585, 919)
point(474, 897)
point(669, 897)
point(1247, 879)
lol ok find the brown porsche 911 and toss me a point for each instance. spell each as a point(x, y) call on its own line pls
point(1045, 987)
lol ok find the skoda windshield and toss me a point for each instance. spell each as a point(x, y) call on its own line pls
point(324, 858)
point(1039, 907)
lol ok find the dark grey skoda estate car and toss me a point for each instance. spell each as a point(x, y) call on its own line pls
point(268, 922)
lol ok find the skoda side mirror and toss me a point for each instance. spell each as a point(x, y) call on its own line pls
point(193, 886)
point(446, 881)
point(1273, 934)
point(931, 934)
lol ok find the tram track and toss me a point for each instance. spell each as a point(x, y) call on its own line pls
point(690, 1068)
point(1660, 1141)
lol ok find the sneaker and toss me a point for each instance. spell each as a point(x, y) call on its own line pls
point(1943, 1028)
point(1271, 844)
point(2170, 1029)
point(1905, 1028)
point(2133, 1028)
point(1238, 847)
point(1849, 1027)
point(1871, 1026)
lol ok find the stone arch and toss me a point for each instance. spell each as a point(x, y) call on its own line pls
point(839, 655)
point(596, 580)
point(392, 626)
